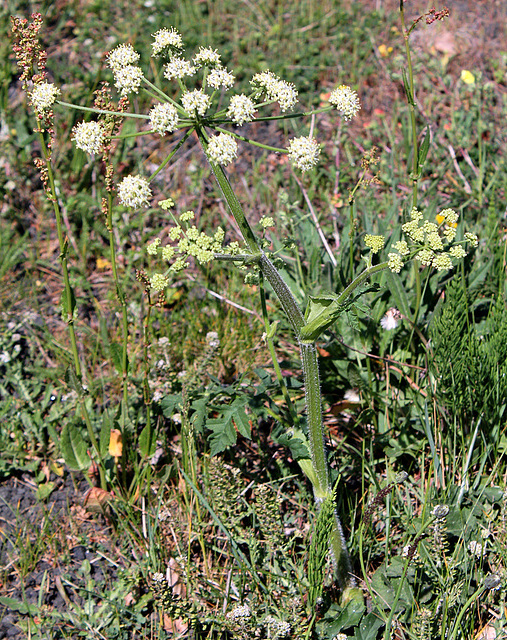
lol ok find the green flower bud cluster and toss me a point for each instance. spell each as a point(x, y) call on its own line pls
point(430, 242)
point(189, 242)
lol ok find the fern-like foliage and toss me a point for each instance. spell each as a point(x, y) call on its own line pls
point(470, 361)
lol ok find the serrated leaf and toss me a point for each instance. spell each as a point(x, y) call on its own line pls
point(74, 448)
point(295, 440)
point(242, 423)
point(223, 435)
point(169, 403)
point(73, 381)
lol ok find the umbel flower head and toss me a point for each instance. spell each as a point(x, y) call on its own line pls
point(346, 101)
point(127, 79)
point(134, 192)
point(121, 56)
point(430, 243)
point(167, 42)
point(89, 136)
point(241, 109)
point(304, 152)
point(164, 118)
point(222, 149)
point(43, 97)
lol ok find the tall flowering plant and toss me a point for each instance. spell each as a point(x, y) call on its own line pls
point(188, 102)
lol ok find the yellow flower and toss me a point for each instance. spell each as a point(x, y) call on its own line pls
point(384, 51)
point(467, 77)
point(115, 443)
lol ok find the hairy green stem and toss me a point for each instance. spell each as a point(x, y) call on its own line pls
point(318, 473)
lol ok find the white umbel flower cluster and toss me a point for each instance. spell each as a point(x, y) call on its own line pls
point(304, 152)
point(195, 102)
point(43, 97)
point(273, 88)
point(89, 136)
point(167, 42)
point(178, 68)
point(121, 56)
point(222, 149)
point(163, 118)
point(207, 57)
point(346, 101)
point(220, 77)
point(128, 79)
point(241, 109)
point(134, 191)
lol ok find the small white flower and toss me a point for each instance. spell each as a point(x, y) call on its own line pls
point(166, 41)
point(346, 101)
point(43, 97)
point(178, 68)
point(304, 152)
point(222, 149)
point(391, 319)
point(123, 55)
point(212, 339)
point(477, 549)
point(195, 102)
point(163, 118)
point(134, 191)
point(128, 79)
point(240, 613)
point(207, 57)
point(220, 78)
point(89, 136)
point(241, 109)
point(285, 94)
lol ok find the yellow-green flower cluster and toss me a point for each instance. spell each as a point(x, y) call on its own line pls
point(266, 221)
point(189, 242)
point(375, 243)
point(430, 242)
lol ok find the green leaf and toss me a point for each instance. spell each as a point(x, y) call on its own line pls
point(369, 627)
point(224, 434)
point(169, 403)
point(64, 304)
point(349, 616)
point(424, 148)
point(74, 448)
point(73, 381)
point(320, 314)
point(295, 440)
point(116, 352)
point(406, 85)
point(44, 490)
point(16, 605)
point(147, 443)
